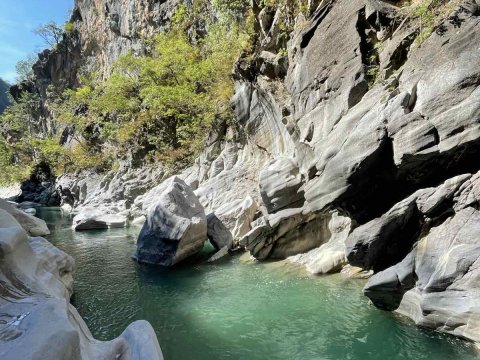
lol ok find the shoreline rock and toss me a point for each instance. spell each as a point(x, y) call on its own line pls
point(41, 323)
point(32, 224)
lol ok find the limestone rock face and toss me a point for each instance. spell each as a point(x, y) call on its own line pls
point(286, 233)
point(114, 193)
point(280, 182)
point(176, 226)
point(40, 322)
point(330, 256)
point(383, 241)
point(113, 27)
point(433, 277)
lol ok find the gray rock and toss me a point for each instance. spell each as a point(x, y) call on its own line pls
point(330, 256)
point(34, 226)
point(219, 255)
point(176, 226)
point(217, 233)
point(286, 233)
point(90, 219)
point(237, 216)
point(437, 284)
point(384, 241)
point(280, 182)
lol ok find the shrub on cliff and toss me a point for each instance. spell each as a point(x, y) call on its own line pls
point(163, 104)
point(156, 107)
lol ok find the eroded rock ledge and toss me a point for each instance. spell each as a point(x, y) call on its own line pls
point(428, 245)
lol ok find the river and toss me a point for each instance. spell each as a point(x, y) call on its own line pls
point(236, 309)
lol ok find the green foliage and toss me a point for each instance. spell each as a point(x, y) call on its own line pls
point(158, 107)
point(24, 69)
point(69, 27)
point(231, 9)
point(373, 75)
point(163, 104)
point(16, 124)
point(10, 172)
point(428, 14)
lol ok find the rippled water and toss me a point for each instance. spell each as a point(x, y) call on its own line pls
point(236, 309)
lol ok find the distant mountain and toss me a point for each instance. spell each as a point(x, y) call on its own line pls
point(4, 86)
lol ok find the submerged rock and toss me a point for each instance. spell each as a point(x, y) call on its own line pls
point(219, 255)
point(176, 226)
point(38, 320)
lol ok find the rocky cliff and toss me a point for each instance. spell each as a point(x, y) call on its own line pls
point(356, 141)
point(3, 95)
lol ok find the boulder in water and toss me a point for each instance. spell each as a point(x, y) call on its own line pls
point(176, 226)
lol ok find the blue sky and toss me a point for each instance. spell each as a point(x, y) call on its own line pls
point(18, 19)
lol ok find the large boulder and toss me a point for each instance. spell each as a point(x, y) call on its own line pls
point(38, 320)
point(237, 216)
point(176, 226)
point(217, 233)
point(34, 226)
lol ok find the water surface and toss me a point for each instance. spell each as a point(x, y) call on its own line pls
point(236, 309)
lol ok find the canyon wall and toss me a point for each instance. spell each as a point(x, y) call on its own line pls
point(355, 137)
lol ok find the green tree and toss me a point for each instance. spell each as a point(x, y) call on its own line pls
point(24, 69)
point(51, 33)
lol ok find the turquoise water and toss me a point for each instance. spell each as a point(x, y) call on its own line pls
point(236, 309)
